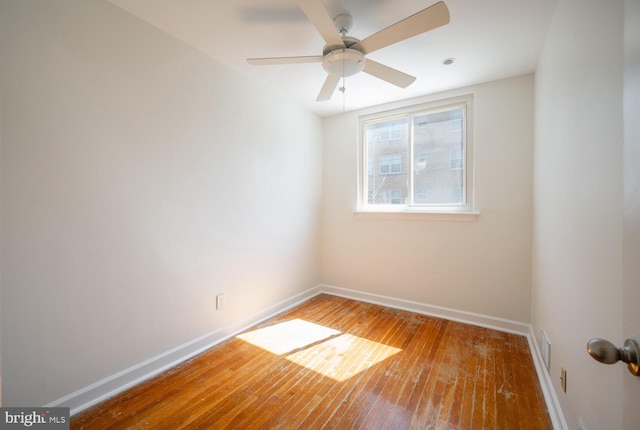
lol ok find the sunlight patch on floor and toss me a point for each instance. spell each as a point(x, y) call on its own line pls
point(288, 336)
point(342, 357)
point(329, 352)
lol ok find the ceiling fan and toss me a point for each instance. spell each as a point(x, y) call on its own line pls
point(344, 56)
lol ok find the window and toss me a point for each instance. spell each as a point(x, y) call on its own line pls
point(418, 159)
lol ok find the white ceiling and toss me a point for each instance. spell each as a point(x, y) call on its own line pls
point(490, 39)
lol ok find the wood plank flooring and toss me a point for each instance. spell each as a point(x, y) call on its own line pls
point(335, 363)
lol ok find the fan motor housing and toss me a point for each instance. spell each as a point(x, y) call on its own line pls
point(344, 62)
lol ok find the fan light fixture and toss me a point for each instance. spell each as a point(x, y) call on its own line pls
point(344, 62)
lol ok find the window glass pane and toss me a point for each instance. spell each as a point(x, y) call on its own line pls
point(387, 146)
point(438, 145)
point(455, 120)
point(455, 157)
point(396, 197)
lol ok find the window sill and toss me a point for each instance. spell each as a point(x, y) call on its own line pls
point(417, 215)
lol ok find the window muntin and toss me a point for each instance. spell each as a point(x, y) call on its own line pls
point(425, 166)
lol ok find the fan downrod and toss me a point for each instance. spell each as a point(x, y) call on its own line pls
point(343, 22)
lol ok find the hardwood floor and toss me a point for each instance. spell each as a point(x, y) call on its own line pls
point(336, 363)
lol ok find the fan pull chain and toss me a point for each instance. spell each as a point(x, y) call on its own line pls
point(343, 88)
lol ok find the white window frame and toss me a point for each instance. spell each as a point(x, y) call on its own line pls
point(466, 208)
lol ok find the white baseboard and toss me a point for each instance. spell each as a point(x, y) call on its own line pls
point(121, 381)
point(487, 321)
point(553, 405)
point(127, 378)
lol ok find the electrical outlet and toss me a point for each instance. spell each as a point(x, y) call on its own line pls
point(563, 379)
point(220, 301)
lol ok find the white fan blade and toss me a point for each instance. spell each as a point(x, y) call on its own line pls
point(389, 74)
point(328, 88)
point(427, 19)
point(319, 17)
point(284, 60)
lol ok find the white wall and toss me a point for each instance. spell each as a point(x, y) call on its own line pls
point(139, 179)
point(631, 235)
point(483, 266)
point(1, 249)
point(577, 270)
